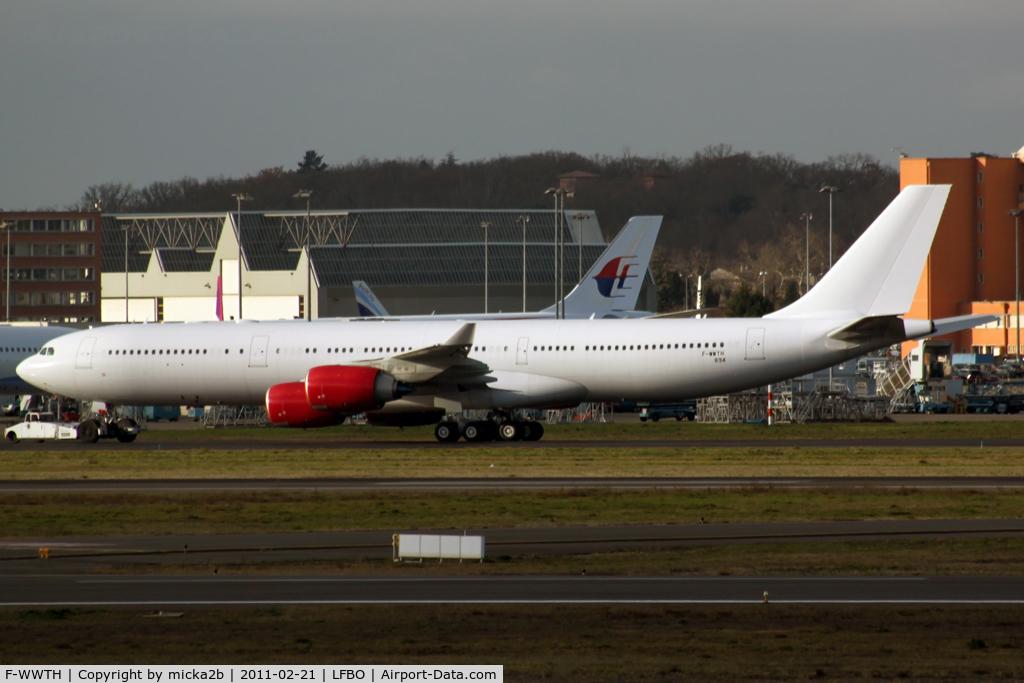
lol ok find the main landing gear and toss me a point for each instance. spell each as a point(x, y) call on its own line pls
point(497, 428)
point(92, 430)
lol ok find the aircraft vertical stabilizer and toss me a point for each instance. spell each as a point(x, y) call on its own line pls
point(368, 303)
point(614, 282)
point(878, 275)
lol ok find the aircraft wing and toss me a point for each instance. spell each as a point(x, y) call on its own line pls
point(421, 366)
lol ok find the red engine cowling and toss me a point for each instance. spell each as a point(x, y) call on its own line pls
point(287, 404)
point(351, 389)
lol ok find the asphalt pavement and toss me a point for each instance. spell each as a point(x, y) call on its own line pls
point(239, 591)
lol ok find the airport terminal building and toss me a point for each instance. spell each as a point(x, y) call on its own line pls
point(418, 261)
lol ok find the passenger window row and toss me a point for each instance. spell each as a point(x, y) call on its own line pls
point(651, 347)
point(158, 352)
point(396, 349)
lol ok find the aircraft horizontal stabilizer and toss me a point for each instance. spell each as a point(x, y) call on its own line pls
point(960, 322)
point(874, 328)
point(881, 330)
point(692, 313)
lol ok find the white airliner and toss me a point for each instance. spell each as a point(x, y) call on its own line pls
point(18, 342)
point(608, 290)
point(416, 372)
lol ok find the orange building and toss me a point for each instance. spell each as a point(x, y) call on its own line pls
point(971, 267)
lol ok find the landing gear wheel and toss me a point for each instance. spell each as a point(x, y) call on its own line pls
point(89, 432)
point(478, 431)
point(510, 431)
point(126, 430)
point(533, 431)
point(446, 432)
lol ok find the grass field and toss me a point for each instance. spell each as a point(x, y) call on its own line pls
point(953, 429)
point(207, 513)
point(578, 643)
point(114, 463)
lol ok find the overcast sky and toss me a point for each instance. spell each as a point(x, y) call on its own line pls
point(93, 91)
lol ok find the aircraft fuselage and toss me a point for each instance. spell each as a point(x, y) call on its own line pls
point(235, 363)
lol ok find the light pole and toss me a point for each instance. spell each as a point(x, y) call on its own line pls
point(557, 192)
point(306, 194)
point(241, 197)
point(831, 189)
point(764, 283)
point(6, 227)
point(580, 217)
point(807, 257)
point(561, 251)
point(485, 225)
point(524, 220)
point(1016, 264)
point(127, 230)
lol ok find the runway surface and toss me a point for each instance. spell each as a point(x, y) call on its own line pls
point(83, 554)
point(216, 443)
point(360, 485)
point(207, 591)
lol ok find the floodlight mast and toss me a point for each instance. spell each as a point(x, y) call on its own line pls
point(486, 226)
point(560, 195)
point(831, 189)
point(241, 197)
point(1016, 267)
point(807, 257)
point(524, 220)
point(6, 226)
point(306, 194)
point(580, 217)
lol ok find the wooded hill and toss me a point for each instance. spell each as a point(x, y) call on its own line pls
point(737, 211)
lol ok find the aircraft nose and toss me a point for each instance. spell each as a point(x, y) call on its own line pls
point(37, 370)
point(26, 368)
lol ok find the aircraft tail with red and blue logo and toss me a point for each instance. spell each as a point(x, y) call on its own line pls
point(612, 286)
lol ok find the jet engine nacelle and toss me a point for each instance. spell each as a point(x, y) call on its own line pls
point(352, 389)
point(287, 405)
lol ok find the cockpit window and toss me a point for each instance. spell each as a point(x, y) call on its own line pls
point(45, 351)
